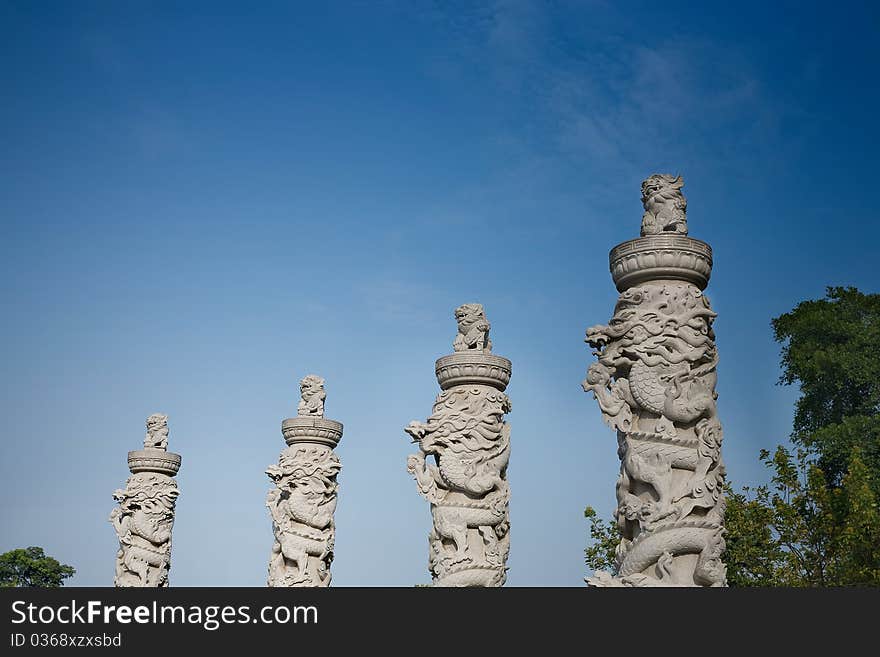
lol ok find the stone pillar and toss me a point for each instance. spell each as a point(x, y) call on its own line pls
point(462, 463)
point(654, 381)
point(303, 501)
point(145, 515)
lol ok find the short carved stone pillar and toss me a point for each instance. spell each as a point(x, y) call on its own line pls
point(145, 515)
point(461, 468)
point(303, 501)
point(654, 381)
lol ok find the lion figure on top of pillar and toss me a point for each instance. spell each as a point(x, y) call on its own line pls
point(473, 328)
point(312, 396)
point(665, 205)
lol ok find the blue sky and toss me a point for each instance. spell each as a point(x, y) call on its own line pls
point(203, 202)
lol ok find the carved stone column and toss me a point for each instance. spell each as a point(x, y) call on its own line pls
point(461, 468)
point(303, 501)
point(145, 515)
point(654, 381)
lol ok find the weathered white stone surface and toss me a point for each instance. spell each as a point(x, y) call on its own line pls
point(461, 466)
point(157, 432)
point(654, 381)
point(312, 396)
point(144, 517)
point(473, 329)
point(665, 205)
point(303, 501)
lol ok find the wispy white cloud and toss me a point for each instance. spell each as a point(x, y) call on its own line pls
point(614, 102)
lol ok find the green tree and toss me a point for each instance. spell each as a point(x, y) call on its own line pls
point(802, 531)
point(817, 523)
point(831, 349)
point(604, 537)
point(31, 567)
point(858, 549)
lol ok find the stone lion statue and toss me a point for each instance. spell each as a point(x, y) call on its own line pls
point(157, 432)
point(665, 205)
point(312, 391)
point(473, 328)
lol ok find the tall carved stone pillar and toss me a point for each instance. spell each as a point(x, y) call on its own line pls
point(303, 501)
point(654, 381)
point(461, 468)
point(145, 515)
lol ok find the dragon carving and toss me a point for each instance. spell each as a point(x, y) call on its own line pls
point(302, 505)
point(461, 466)
point(654, 381)
point(468, 441)
point(143, 522)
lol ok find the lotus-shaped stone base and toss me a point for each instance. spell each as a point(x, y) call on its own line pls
point(661, 257)
point(154, 460)
point(473, 367)
point(306, 429)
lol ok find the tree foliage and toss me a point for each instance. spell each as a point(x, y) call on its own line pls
point(801, 531)
point(831, 349)
point(818, 523)
point(32, 567)
point(604, 537)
